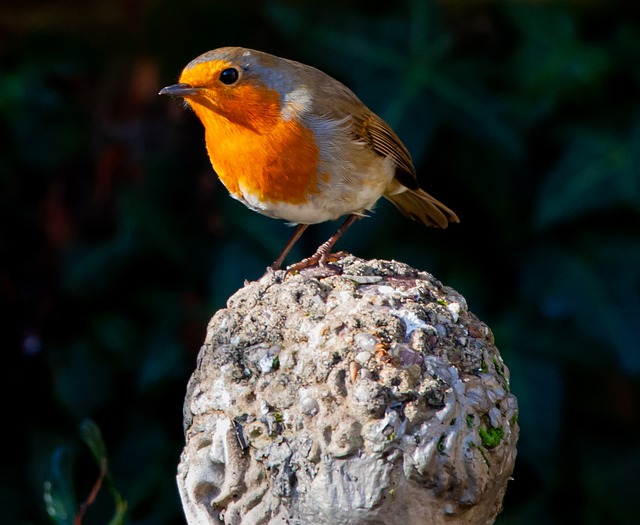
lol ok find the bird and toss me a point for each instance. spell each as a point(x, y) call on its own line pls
point(291, 142)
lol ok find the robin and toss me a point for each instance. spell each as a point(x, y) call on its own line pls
point(293, 143)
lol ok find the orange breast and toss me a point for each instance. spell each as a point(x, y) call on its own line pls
point(254, 151)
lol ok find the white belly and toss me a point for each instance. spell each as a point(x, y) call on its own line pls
point(346, 191)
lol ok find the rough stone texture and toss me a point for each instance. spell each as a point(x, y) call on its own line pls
point(370, 397)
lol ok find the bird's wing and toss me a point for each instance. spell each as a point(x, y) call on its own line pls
point(376, 132)
point(336, 100)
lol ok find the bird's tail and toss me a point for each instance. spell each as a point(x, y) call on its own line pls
point(420, 206)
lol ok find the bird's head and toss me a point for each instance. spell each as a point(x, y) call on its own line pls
point(248, 88)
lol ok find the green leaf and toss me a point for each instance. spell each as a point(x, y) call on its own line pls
point(91, 435)
point(82, 383)
point(553, 62)
point(120, 512)
point(59, 498)
point(596, 288)
point(597, 172)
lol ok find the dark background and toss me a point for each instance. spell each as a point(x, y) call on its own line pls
point(117, 242)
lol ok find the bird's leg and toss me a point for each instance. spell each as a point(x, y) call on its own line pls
point(323, 253)
point(285, 251)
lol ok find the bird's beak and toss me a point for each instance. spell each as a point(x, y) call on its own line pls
point(180, 90)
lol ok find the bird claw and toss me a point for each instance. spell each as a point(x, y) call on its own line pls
point(320, 259)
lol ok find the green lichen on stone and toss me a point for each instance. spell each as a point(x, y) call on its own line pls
point(499, 367)
point(491, 436)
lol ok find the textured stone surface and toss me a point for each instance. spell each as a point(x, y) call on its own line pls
point(370, 397)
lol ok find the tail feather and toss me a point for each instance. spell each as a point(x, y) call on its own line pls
point(418, 205)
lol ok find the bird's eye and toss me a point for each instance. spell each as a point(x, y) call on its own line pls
point(229, 76)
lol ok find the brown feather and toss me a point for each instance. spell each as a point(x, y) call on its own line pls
point(418, 205)
point(413, 203)
point(337, 100)
point(377, 133)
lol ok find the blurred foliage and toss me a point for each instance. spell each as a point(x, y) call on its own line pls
point(59, 489)
point(117, 242)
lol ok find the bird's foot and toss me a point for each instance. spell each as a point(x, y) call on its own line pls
point(320, 259)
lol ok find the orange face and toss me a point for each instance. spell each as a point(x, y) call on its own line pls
point(252, 147)
point(245, 102)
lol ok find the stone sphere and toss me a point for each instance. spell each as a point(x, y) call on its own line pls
point(368, 394)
